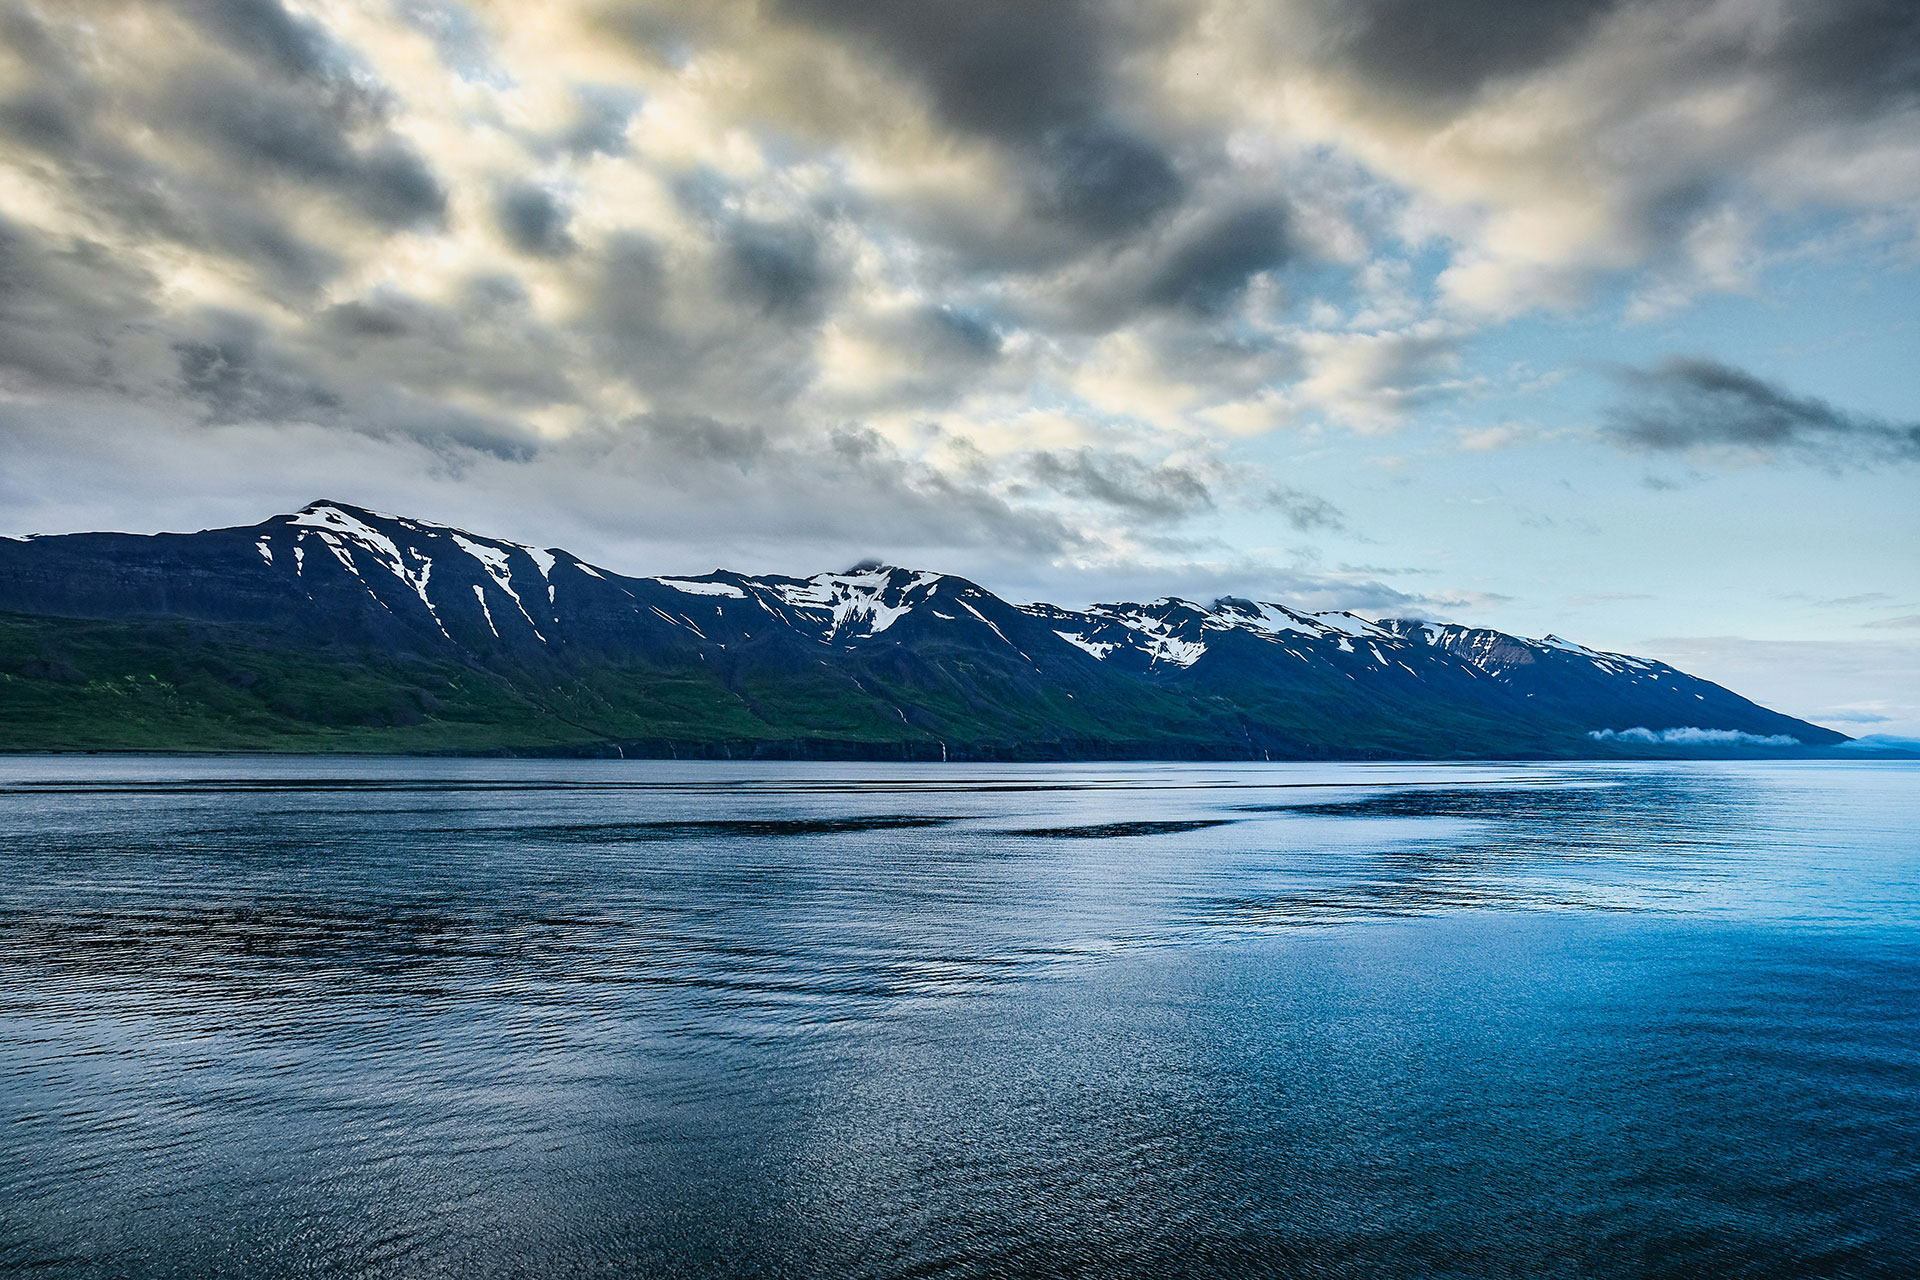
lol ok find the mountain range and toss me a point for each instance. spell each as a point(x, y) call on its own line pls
point(337, 628)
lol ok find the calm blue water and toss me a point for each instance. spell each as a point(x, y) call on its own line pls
point(506, 1018)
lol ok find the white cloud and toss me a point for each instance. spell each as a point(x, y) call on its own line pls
point(1690, 736)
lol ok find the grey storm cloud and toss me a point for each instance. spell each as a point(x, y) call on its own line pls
point(1169, 492)
point(266, 32)
point(1034, 78)
point(1208, 270)
point(1686, 404)
point(1449, 50)
point(737, 340)
point(1305, 511)
point(236, 371)
point(779, 268)
point(299, 109)
point(239, 379)
point(702, 439)
point(1101, 179)
point(56, 119)
point(484, 342)
point(1003, 68)
point(533, 219)
point(1861, 53)
point(1162, 492)
point(267, 126)
point(1186, 276)
point(63, 308)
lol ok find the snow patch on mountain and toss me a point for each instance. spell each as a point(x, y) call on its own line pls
point(1254, 615)
point(480, 594)
point(693, 588)
point(498, 564)
point(1158, 632)
point(331, 521)
point(968, 606)
point(1608, 661)
point(1174, 631)
point(343, 530)
point(544, 562)
point(341, 554)
point(417, 579)
point(1495, 652)
point(877, 598)
point(492, 559)
point(1347, 624)
point(1098, 648)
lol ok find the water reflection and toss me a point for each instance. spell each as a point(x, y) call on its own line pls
point(774, 889)
point(366, 1018)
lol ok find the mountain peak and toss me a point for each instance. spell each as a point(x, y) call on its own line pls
point(348, 520)
point(321, 507)
point(352, 520)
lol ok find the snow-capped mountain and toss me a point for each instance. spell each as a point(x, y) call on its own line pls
point(875, 657)
point(1171, 632)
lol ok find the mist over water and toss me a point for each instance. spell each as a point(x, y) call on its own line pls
point(504, 1018)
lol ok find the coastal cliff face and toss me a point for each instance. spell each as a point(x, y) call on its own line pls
point(337, 628)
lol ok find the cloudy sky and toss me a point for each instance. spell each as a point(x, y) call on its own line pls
point(1599, 317)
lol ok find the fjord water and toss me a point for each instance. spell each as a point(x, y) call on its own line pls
point(507, 1018)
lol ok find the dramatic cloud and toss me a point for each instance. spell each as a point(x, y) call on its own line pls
point(1694, 405)
point(1108, 282)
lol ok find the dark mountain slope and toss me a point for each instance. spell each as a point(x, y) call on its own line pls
point(336, 628)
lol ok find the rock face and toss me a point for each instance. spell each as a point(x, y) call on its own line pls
point(480, 644)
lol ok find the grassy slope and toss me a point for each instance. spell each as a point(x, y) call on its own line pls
point(73, 685)
point(70, 685)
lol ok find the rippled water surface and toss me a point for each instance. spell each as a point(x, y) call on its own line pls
point(507, 1018)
